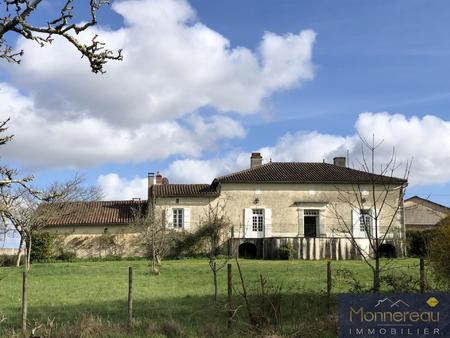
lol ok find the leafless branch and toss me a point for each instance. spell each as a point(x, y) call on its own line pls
point(17, 21)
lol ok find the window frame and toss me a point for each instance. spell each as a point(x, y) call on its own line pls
point(365, 221)
point(178, 218)
point(258, 220)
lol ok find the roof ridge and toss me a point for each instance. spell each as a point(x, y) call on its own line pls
point(246, 170)
point(102, 201)
point(319, 172)
point(162, 185)
point(429, 201)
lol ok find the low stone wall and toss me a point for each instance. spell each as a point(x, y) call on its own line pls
point(87, 246)
point(311, 248)
point(8, 251)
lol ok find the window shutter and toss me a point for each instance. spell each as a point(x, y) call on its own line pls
point(301, 222)
point(372, 223)
point(247, 222)
point(322, 225)
point(169, 217)
point(356, 224)
point(186, 218)
point(267, 222)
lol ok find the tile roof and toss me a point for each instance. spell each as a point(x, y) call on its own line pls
point(429, 203)
point(183, 190)
point(305, 172)
point(97, 212)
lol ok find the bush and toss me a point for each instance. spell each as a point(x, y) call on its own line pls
point(286, 251)
point(418, 242)
point(189, 245)
point(42, 246)
point(9, 260)
point(400, 282)
point(66, 256)
point(440, 251)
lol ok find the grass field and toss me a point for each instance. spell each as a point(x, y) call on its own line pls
point(179, 302)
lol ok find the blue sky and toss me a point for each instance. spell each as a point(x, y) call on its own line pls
point(388, 59)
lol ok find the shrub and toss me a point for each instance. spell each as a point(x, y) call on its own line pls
point(42, 246)
point(440, 251)
point(66, 256)
point(344, 276)
point(400, 282)
point(286, 251)
point(9, 260)
point(170, 328)
point(418, 242)
point(189, 245)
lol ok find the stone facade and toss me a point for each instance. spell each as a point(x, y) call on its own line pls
point(287, 204)
point(317, 209)
point(422, 214)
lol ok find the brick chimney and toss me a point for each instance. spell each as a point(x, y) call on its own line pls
point(158, 178)
point(339, 161)
point(255, 160)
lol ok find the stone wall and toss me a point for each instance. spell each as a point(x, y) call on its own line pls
point(311, 248)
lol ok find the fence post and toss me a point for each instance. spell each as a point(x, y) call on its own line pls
point(422, 276)
point(130, 296)
point(329, 287)
point(230, 294)
point(24, 301)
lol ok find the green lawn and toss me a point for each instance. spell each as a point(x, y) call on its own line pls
point(181, 295)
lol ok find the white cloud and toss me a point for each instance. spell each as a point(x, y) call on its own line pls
point(199, 171)
point(173, 65)
point(117, 188)
point(146, 107)
point(88, 141)
point(426, 140)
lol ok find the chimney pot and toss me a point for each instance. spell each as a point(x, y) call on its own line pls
point(255, 160)
point(339, 161)
point(158, 178)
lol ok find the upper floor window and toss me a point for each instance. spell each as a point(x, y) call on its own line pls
point(178, 218)
point(258, 220)
point(365, 221)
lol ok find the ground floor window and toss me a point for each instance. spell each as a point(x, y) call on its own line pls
point(311, 221)
point(258, 220)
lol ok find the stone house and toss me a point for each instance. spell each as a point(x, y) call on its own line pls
point(423, 214)
point(320, 209)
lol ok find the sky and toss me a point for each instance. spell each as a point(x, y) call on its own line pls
point(205, 83)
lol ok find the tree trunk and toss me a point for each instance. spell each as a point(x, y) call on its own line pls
point(19, 252)
point(214, 269)
point(28, 256)
point(376, 274)
point(153, 255)
point(24, 301)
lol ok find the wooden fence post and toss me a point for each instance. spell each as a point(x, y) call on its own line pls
point(230, 294)
point(130, 296)
point(422, 276)
point(24, 301)
point(329, 287)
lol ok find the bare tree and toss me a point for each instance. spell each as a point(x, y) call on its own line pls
point(214, 228)
point(8, 176)
point(154, 235)
point(17, 20)
point(377, 205)
point(29, 210)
